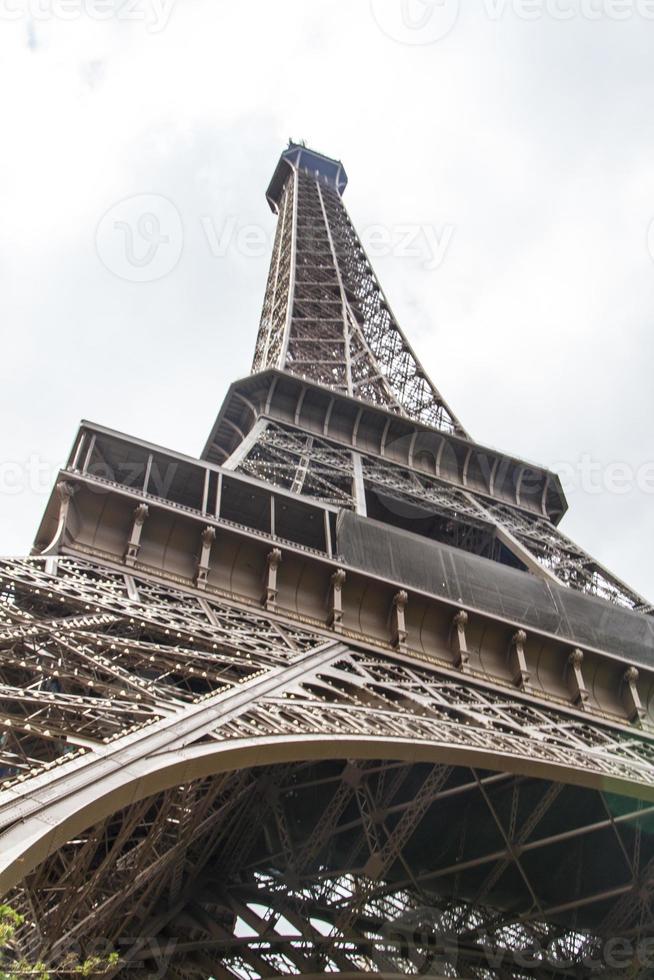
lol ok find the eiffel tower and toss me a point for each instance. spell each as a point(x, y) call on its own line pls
point(336, 697)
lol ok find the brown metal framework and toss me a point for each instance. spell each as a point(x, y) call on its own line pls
point(325, 316)
point(233, 746)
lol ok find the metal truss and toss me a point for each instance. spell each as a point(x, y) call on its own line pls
point(325, 316)
point(270, 341)
point(88, 655)
point(216, 787)
point(290, 458)
point(556, 552)
point(296, 461)
point(299, 911)
point(285, 864)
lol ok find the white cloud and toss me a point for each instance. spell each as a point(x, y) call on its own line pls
point(532, 140)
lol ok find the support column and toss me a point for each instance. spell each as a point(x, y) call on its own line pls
point(335, 618)
point(398, 620)
point(458, 641)
point(246, 445)
point(66, 492)
point(208, 538)
point(358, 487)
point(630, 696)
point(576, 683)
point(518, 661)
point(134, 544)
point(273, 561)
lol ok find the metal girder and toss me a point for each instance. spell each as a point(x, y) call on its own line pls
point(223, 784)
point(318, 468)
point(142, 842)
point(325, 315)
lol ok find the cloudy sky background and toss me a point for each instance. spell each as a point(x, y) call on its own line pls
point(524, 146)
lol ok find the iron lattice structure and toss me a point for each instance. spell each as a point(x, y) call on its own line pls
point(325, 316)
point(338, 696)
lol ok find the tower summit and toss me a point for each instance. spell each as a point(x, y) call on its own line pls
point(299, 158)
point(338, 696)
point(325, 315)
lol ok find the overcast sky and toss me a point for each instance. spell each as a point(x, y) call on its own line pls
point(501, 165)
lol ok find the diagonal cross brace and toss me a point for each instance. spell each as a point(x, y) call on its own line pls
point(31, 813)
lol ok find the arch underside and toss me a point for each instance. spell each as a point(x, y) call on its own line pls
point(369, 866)
point(248, 798)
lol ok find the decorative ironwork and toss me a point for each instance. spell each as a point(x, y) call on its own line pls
point(221, 783)
point(325, 315)
point(89, 669)
point(319, 468)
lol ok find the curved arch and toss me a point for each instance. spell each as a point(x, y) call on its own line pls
point(27, 843)
point(348, 975)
